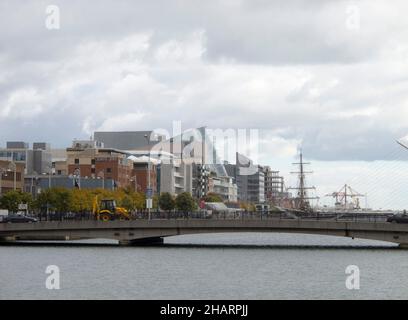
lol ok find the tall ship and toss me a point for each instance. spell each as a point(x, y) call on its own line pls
point(302, 199)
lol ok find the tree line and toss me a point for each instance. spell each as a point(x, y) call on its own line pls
point(81, 200)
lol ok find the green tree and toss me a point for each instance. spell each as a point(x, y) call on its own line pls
point(139, 200)
point(127, 203)
point(43, 199)
point(213, 197)
point(12, 199)
point(185, 202)
point(62, 200)
point(81, 200)
point(57, 199)
point(166, 201)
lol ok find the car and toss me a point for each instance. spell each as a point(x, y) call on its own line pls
point(398, 218)
point(18, 219)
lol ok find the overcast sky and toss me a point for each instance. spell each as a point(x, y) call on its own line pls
point(330, 75)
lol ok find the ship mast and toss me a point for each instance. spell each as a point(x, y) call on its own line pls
point(302, 198)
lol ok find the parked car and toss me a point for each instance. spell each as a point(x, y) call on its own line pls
point(18, 219)
point(398, 218)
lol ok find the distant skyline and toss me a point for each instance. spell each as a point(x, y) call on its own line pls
point(329, 75)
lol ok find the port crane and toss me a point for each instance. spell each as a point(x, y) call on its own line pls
point(346, 197)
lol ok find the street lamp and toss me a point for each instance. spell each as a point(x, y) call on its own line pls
point(101, 174)
point(13, 166)
point(158, 172)
point(33, 190)
point(77, 174)
point(134, 179)
point(49, 173)
point(148, 178)
point(3, 171)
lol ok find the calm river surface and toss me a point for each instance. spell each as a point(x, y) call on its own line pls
point(213, 266)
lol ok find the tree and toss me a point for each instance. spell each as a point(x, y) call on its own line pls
point(61, 199)
point(127, 203)
point(213, 197)
point(166, 201)
point(43, 199)
point(12, 199)
point(57, 199)
point(247, 206)
point(185, 202)
point(81, 200)
point(139, 200)
point(155, 201)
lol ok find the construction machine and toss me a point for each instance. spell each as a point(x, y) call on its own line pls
point(106, 210)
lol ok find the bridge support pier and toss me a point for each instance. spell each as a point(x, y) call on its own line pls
point(5, 240)
point(142, 242)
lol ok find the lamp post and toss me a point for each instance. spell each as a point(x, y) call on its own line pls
point(158, 173)
point(101, 174)
point(1, 178)
point(13, 167)
point(49, 177)
point(148, 178)
point(49, 173)
point(133, 179)
point(3, 171)
point(34, 189)
point(77, 174)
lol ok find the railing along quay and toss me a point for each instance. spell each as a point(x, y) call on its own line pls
point(243, 215)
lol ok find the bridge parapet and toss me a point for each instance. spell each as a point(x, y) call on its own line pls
point(159, 228)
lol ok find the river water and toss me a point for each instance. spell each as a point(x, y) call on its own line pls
point(213, 266)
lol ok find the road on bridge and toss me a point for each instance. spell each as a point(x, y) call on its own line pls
point(143, 231)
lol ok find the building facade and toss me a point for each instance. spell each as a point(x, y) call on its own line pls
point(36, 160)
point(128, 140)
point(171, 173)
point(225, 187)
point(34, 184)
point(274, 185)
point(87, 160)
point(251, 187)
point(11, 176)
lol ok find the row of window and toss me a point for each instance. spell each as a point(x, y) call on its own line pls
point(108, 170)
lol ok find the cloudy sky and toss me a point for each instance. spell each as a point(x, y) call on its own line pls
point(329, 75)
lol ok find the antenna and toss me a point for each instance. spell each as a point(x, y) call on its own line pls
point(402, 145)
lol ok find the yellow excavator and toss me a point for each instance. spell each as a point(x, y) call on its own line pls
point(106, 210)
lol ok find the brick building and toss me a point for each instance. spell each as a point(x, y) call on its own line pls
point(7, 174)
point(88, 160)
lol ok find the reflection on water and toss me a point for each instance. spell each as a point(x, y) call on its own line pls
point(212, 266)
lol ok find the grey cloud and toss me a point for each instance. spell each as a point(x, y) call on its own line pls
point(250, 76)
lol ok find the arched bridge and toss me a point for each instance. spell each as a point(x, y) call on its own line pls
point(144, 231)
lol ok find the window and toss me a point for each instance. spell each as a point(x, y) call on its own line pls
point(93, 161)
point(59, 172)
point(76, 161)
point(92, 170)
point(108, 170)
